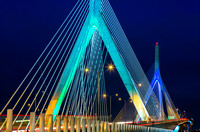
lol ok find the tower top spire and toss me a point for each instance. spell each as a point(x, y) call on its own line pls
point(156, 57)
point(156, 43)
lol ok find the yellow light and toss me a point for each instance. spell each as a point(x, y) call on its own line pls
point(120, 99)
point(131, 101)
point(116, 95)
point(140, 84)
point(104, 95)
point(110, 67)
point(86, 70)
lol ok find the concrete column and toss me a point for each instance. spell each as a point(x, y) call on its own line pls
point(116, 127)
point(93, 125)
point(41, 125)
point(72, 124)
point(9, 120)
point(123, 127)
point(113, 127)
point(83, 125)
point(126, 127)
point(78, 125)
point(88, 125)
point(129, 128)
point(102, 126)
point(98, 126)
point(134, 127)
point(106, 124)
point(108, 127)
point(58, 123)
point(65, 129)
point(32, 122)
point(50, 123)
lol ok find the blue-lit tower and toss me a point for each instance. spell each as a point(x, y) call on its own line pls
point(161, 91)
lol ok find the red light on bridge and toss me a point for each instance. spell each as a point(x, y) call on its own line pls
point(156, 43)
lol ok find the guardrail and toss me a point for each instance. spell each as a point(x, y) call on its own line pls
point(72, 124)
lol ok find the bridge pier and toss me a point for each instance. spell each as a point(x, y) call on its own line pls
point(78, 125)
point(50, 123)
point(102, 126)
point(93, 125)
point(9, 124)
point(83, 125)
point(58, 123)
point(72, 124)
point(113, 127)
point(65, 128)
point(41, 124)
point(88, 125)
point(32, 122)
point(98, 126)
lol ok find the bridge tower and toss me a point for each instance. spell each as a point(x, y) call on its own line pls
point(95, 23)
point(162, 91)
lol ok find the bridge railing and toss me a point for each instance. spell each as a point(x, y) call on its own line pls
point(72, 124)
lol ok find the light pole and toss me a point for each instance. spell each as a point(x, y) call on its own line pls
point(104, 96)
point(110, 67)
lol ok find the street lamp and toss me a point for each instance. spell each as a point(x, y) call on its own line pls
point(140, 84)
point(111, 67)
point(105, 96)
point(86, 70)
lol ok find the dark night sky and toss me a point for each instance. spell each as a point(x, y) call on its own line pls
point(27, 26)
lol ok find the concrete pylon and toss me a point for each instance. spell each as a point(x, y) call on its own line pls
point(32, 122)
point(72, 123)
point(78, 125)
point(102, 126)
point(9, 120)
point(88, 125)
point(41, 125)
point(58, 123)
point(98, 126)
point(50, 124)
point(65, 129)
point(83, 125)
point(93, 125)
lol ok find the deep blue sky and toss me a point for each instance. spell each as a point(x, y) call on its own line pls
point(27, 26)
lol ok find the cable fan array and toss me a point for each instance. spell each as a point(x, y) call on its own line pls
point(82, 95)
point(36, 90)
point(130, 60)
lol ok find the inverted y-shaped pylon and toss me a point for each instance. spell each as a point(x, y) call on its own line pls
point(95, 22)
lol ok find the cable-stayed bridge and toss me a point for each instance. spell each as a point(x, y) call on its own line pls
point(68, 78)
